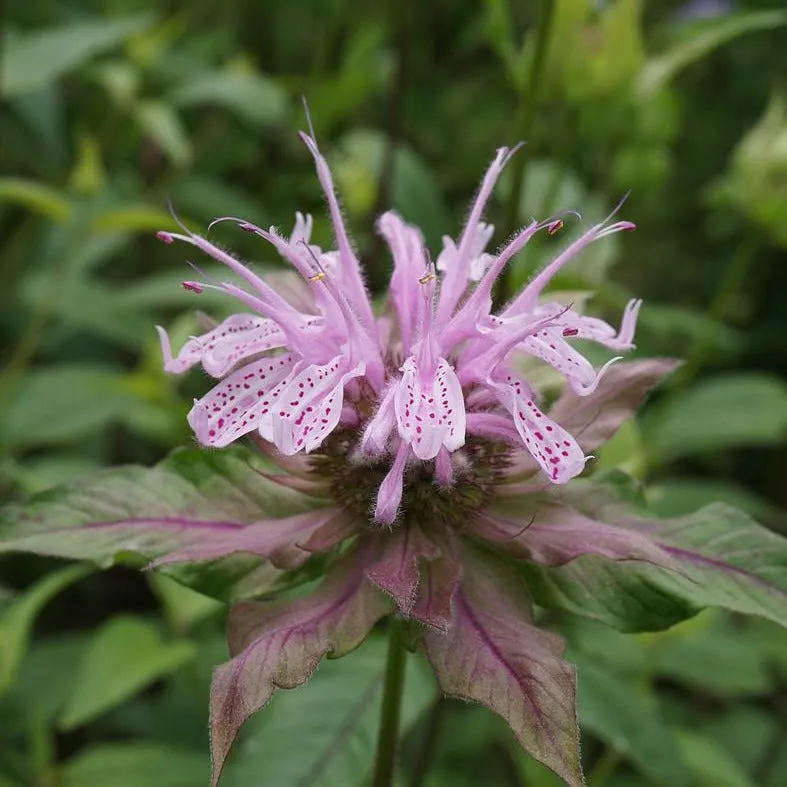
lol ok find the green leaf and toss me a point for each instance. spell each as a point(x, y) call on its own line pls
point(724, 560)
point(46, 200)
point(62, 403)
point(134, 765)
point(700, 41)
point(17, 618)
point(711, 654)
point(34, 60)
point(135, 514)
point(161, 123)
point(183, 606)
point(46, 677)
point(720, 413)
point(678, 496)
point(125, 656)
point(711, 764)
point(744, 731)
point(337, 713)
point(36, 473)
point(83, 304)
point(625, 715)
point(88, 176)
point(251, 96)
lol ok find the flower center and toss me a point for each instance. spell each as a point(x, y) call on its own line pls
point(478, 468)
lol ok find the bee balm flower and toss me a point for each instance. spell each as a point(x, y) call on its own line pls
point(436, 371)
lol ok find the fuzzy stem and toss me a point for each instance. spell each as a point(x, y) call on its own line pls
point(385, 759)
point(525, 120)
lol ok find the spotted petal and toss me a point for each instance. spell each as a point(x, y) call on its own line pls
point(555, 450)
point(237, 404)
point(239, 336)
point(309, 407)
point(550, 347)
point(430, 413)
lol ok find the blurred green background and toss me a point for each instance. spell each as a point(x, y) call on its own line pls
point(110, 108)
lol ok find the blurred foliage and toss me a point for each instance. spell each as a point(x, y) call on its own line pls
point(110, 108)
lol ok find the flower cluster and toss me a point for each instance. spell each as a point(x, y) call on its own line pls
point(436, 370)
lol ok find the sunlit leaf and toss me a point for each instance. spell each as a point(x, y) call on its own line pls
point(34, 60)
point(42, 199)
point(137, 218)
point(87, 175)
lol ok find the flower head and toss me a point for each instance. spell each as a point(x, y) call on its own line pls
point(437, 370)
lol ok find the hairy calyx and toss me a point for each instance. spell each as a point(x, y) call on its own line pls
point(355, 479)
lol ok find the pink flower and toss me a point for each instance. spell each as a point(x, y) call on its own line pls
point(438, 367)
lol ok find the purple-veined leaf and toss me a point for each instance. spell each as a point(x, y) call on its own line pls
point(724, 559)
point(278, 540)
point(592, 420)
point(554, 535)
point(493, 654)
point(338, 713)
point(279, 644)
point(132, 513)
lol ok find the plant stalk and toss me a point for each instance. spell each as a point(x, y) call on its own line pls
point(732, 282)
point(385, 760)
point(526, 117)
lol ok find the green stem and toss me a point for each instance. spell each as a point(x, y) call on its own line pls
point(385, 760)
point(731, 284)
point(525, 119)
